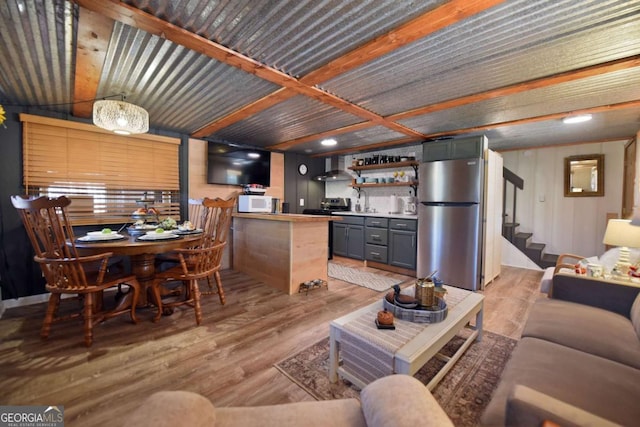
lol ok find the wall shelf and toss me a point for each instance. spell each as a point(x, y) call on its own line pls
point(410, 163)
point(395, 165)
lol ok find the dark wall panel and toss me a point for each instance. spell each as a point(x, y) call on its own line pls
point(19, 274)
point(298, 187)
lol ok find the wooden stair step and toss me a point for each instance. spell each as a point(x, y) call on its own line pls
point(534, 251)
point(548, 260)
point(511, 224)
point(522, 240)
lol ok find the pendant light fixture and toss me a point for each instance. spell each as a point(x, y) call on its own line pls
point(120, 117)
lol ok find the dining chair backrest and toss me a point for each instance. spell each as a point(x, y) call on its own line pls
point(47, 225)
point(197, 213)
point(49, 229)
point(217, 219)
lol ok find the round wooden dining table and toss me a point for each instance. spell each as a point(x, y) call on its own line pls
point(142, 254)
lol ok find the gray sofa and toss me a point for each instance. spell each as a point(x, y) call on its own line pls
point(578, 362)
point(395, 400)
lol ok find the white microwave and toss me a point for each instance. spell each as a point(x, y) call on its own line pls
point(248, 203)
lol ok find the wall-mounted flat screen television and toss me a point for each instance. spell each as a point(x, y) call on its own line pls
point(235, 165)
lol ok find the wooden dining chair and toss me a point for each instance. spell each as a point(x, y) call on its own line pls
point(195, 264)
point(51, 234)
point(197, 216)
point(216, 232)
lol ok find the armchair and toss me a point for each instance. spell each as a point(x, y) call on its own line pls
point(566, 264)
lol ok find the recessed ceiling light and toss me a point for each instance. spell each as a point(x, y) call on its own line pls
point(328, 142)
point(253, 155)
point(577, 119)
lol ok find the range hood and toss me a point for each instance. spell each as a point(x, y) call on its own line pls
point(336, 172)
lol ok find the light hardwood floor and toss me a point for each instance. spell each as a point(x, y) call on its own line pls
point(229, 358)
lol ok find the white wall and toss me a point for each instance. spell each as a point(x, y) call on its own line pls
point(564, 224)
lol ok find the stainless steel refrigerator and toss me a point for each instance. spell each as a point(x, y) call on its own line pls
point(450, 215)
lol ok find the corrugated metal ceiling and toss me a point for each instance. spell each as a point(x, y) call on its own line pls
point(292, 36)
point(185, 89)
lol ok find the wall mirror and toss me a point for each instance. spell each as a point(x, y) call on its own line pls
point(584, 176)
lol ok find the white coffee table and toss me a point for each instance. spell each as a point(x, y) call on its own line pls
point(415, 353)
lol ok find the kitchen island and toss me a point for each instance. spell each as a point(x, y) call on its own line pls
point(281, 250)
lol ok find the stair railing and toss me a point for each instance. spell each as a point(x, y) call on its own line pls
point(518, 183)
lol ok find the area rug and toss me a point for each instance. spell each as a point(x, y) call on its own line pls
point(463, 393)
point(374, 281)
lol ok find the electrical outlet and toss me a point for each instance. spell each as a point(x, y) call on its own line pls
point(301, 202)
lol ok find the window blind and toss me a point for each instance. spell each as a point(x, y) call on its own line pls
point(102, 173)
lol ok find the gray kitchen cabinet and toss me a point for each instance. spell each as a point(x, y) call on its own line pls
point(390, 241)
point(340, 239)
point(376, 238)
point(449, 149)
point(348, 237)
point(402, 243)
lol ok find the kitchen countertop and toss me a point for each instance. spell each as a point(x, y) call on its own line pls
point(285, 217)
point(377, 214)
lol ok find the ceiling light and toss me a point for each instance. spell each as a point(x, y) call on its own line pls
point(120, 117)
point(253, 155)
point(328, 142)
point(577, 119)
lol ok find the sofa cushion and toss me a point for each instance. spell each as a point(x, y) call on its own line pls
point(343, 412)
point(602, 387)
point(635, 315)
point(401, 400)
point(173, 408)
point(594, 330)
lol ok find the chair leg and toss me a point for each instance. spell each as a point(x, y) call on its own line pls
point(157, 299)
point(52, 309)
point(219, 286)
point(88, 319)
point(195, 291)
point(134, 301)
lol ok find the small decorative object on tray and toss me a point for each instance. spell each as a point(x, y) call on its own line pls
point(399, 305)
point(384, 320)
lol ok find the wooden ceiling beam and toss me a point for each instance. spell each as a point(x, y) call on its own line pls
point(94, 33)
point(370, 147)
point(293, 142)
point(244, 112)
point(137, 18)
point(568, 76)
point(421, 26)
point(546, 117)
point(434, 20)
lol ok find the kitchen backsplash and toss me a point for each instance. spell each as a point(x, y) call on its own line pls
point(377, 199)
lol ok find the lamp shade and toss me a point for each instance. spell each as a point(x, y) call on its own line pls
point(120, 117)
point(620, 232)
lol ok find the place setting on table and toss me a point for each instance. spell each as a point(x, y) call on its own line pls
point(104, 235)
point(168, 229)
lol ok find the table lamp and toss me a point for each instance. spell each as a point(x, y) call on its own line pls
point(621, 233)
